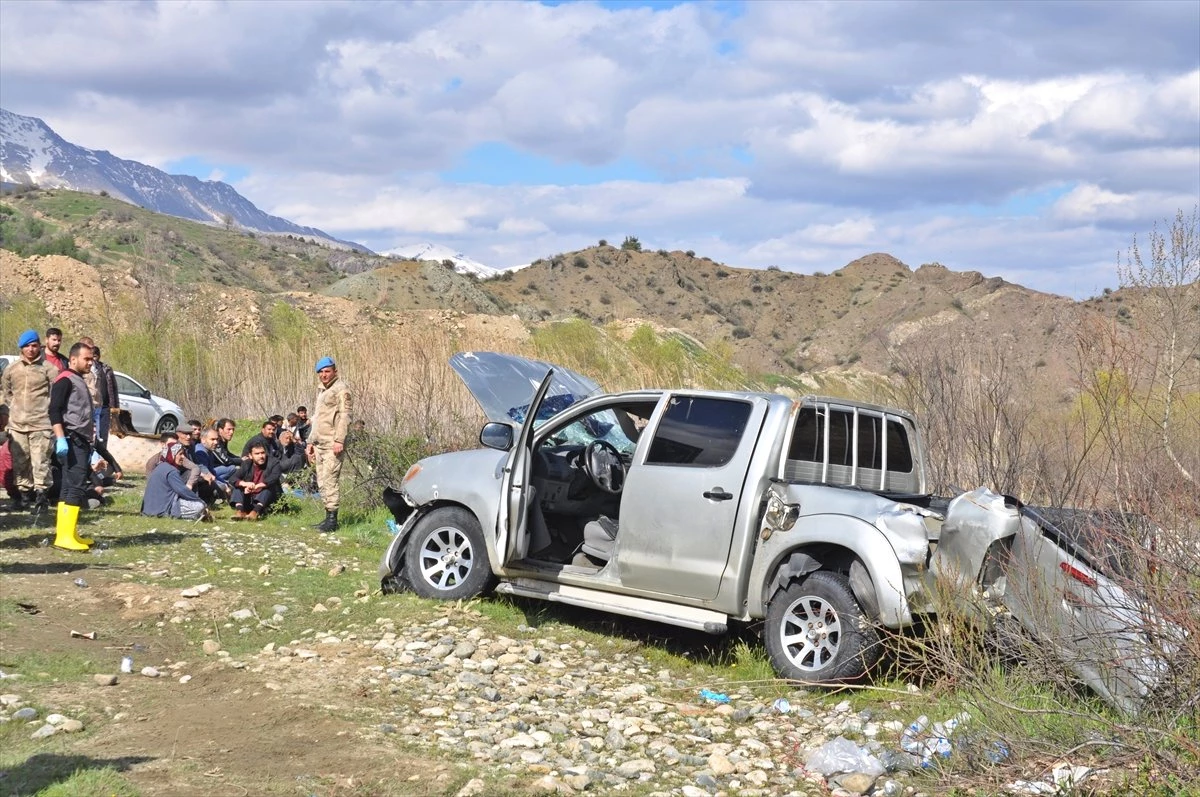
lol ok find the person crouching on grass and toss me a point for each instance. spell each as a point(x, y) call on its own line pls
point(167, 495)
point(256, 486)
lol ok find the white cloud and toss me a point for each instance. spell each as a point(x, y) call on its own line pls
point(798, 134)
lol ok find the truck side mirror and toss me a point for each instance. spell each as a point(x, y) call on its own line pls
point(496, 435)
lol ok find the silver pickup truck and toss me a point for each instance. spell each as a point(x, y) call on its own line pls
point(697, 508)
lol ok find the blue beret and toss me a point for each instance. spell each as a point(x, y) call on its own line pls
point(27, 337)
point(324, 362)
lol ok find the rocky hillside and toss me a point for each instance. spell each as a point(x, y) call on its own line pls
point(863, 318)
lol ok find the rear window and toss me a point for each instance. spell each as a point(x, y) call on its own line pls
point(698, 431)
point(809, 443)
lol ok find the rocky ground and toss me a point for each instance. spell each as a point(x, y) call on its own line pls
point(267, 655)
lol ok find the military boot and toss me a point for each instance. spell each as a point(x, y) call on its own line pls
point(330, 523)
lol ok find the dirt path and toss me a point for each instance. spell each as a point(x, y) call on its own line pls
point(222, 732)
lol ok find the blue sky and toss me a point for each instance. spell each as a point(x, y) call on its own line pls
point(1030, 141)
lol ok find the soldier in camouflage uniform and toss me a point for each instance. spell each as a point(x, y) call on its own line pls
point(331, 422)
point(25, 387)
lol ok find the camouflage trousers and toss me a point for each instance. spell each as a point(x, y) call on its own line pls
point(31, 452)
point(329, 470)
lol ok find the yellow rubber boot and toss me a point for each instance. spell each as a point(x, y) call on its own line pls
point(64, 530)
point(79, 538)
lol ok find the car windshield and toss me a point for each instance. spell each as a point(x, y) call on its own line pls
point(504, 385)
point(602, 425)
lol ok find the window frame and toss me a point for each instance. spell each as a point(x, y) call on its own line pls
point(823, 411)
point(662, 417)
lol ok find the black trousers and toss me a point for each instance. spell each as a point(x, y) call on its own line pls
point(259, 501)
point(76, 470)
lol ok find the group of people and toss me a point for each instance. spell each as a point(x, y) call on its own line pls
point(57, 412)
point(54, 426)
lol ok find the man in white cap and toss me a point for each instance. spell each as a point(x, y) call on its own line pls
point(25, 387)
point(331, 422)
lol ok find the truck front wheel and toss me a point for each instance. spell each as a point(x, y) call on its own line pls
point(817, 632)
point(447, 557)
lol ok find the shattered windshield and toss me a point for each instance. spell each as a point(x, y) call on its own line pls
point(504, 385)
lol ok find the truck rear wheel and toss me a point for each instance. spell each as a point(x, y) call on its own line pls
point(817, 632)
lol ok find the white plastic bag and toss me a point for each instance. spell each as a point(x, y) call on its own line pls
point(843, 755)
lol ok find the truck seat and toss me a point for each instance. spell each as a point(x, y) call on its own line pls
point(600, 538)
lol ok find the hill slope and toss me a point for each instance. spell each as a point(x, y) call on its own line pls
point(865, 318)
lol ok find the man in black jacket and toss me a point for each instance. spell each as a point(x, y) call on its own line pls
point(303, 426)
point(102, 381)
point(266, 438)
point(71, 420)
point(256, 485)
point(221, 452)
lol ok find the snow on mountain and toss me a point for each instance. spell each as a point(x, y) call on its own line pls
point(438, 253)
point(32, 153)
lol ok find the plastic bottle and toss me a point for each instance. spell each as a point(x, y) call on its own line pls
point(910, 738)
point(127, 664)
point(998, 752)
point(79, 582)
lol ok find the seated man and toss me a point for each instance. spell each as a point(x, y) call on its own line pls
point(225, 428)
point(7, 481)
point(167, 495)
point(164, 443)
point(303, 427)
point(105, 472)
point(200, 480)
point(265, 438)
point(294, 457)
point(206, 457)
point(256, 484)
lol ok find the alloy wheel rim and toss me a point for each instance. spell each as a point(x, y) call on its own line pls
point(446, 558)
point(811, 632)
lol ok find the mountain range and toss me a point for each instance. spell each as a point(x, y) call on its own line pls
point(33, 154)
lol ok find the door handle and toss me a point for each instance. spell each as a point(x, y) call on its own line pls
point(717, 494)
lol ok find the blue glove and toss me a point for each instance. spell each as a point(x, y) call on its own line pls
point(60, 448)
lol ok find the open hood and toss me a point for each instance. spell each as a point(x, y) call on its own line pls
point(504, 384)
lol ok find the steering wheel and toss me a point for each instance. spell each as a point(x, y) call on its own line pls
point(602, 463)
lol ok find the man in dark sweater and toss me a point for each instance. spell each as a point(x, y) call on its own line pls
point(256, 485)
point(265, 438)
point(71, 419)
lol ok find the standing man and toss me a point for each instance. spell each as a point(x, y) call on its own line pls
point(331, 421)
point(25, 387)
point(71, 418)
point(104, 394)
point(53, 342)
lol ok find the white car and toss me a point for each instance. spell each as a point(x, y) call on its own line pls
point(150, 414)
